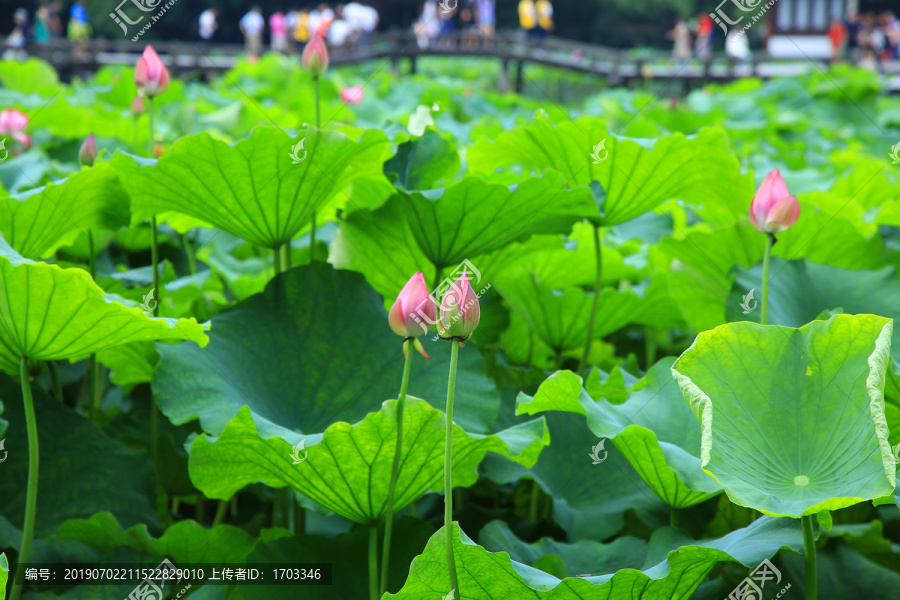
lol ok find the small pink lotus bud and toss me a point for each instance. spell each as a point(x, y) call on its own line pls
point(88, 152)
point(414, 310)
point(773, 208)
point(315, 56)
point(137, 105)
point(460, 311)
point(12, 123)
point(150, 75)
point(352, 94)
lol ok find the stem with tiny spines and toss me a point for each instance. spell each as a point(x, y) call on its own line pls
point(395, 468)
point(312, 231)
point(448, 462)
point(764, 302)
point(809, 553)
point(598, 253)
point(32, 485)
point(373, 562)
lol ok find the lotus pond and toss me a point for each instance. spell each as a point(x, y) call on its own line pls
point(236, 319)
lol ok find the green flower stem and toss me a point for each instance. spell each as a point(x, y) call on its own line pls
point(809, 552)
point(189, 252)
point(373, 562)
point(31, 490)
point(533, 506)
point(276, 260)
point(96, 390)
point(598, 253)
point(673, 517)
point(92, 267)
point(312, 230)
point(220, 512)
point(395, 468)
point(285, 252)
point(448, 461)
point(764, 310)
point(93, 367)
point(57, 383)
point(154, 263)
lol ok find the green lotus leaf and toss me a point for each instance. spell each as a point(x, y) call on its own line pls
point(589, 499)
point(347, 469)
point(38, 222)
point(423, 162)
point(674, 568)
point(185, 541)
point(82, 471)
point(253, 189)
point(582, 558)
point(380, 245)
point(793, 420)
point(637, 175)
point(347, 553)
point(31, 75)
point(49, 313)
point(472, 217)
point(654, 429)
point(314, 347)
point(560, 319)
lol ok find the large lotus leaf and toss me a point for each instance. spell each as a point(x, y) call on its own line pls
point(472, 217)
point(637, 175)
point(380, 245)
point(589, 500)
point(49, 313)
point(582, 558)
point(253, 189)
point(348, 555)
point(793, 419)
point(422, 162)
point(347, 469)
point(654, 429)
point(674, 568)
point(38, 222)
point(81, 470)
point(185, 541)
point(560, 318)
point(313, 348)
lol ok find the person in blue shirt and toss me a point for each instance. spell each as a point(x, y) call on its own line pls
point(79, 28)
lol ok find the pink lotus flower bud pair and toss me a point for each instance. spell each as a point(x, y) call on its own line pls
point(88, 152)
point(150, 75)
point(415, 310)
point(12, 123)
point(315, 56)
point(773, 209)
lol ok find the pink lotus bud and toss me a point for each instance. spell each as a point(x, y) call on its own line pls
point(315, 56)
point(414, 310)
point(137, 105)
point(460, 311)
point(773, 208)
point(88, 153)
point(12, 123)
point(150, 75)
point(352, 94)
point(12, 120)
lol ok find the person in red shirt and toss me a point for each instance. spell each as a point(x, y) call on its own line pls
point(837, 33)
point(704, 37)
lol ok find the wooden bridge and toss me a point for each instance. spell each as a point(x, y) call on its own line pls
point(619, 67)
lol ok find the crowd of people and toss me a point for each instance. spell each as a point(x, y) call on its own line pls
point(866, 39)
point(862, 39)
point(349, 24)
point(439, 22)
